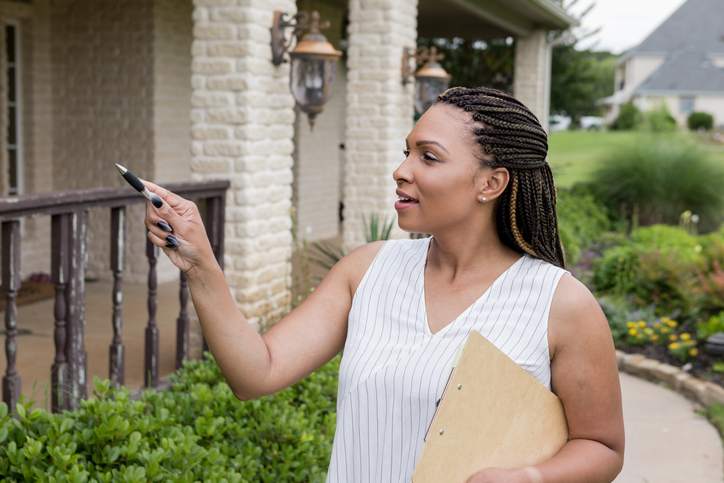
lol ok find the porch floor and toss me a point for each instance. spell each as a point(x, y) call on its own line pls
point(36, 350)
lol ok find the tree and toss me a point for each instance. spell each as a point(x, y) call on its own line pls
point(579, 78)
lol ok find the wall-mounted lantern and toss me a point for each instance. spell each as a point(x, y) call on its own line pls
point(314, 59)
point(431, 79)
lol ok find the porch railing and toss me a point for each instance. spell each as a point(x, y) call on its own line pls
point(69, 217)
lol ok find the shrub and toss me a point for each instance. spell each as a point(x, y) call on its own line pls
point(581, 220)
point(654, 179)
point(658, 266)
point(700, 121)
point(195, 431)
point(709, 327)
point(629, 117)
point(659, 120)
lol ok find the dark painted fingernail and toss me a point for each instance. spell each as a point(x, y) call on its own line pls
point(156, 200)
point(171, 241)
point(164, 226)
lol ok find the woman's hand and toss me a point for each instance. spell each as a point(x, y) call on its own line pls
point(177, 228)
point(499, 475)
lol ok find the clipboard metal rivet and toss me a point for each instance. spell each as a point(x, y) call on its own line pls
point(442, 431)
point(460, 386)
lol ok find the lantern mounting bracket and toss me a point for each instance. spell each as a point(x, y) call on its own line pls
point(298, 23)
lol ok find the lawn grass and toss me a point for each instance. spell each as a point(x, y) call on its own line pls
point(574, 155)
point(715, 414)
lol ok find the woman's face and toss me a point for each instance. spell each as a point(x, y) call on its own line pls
point(440, 171)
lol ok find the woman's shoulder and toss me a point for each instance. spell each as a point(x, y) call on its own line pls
point(359, 259)
point(574, 311)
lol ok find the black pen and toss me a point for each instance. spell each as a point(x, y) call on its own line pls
point(139, 186)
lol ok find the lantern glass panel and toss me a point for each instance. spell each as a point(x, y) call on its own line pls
point(311, 81)
point(426, 91)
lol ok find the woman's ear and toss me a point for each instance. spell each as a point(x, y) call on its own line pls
point(494, 181)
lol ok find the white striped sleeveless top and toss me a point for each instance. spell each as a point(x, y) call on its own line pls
point(393, 369)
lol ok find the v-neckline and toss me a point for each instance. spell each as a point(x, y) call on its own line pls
point(484, 295)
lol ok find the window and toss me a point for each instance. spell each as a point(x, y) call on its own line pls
point(686, 104)
point(14, 153)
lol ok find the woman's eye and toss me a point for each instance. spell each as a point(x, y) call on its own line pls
point(427, 157)
point(406, 152)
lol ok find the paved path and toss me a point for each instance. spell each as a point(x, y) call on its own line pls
point(666, 441)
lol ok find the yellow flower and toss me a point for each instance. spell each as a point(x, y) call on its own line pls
point(673, 337)
point(642, 324)
point(685, 336)
point(632, 331)
point(674, 345)
point(630, 325)
point(665, 330)
point(648, 330)
point(654, 337)
point(693, 352)
point(671, 323)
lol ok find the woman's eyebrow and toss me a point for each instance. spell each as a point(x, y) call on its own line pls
point(423, 142)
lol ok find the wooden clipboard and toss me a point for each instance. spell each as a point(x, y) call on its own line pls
point(492, 414)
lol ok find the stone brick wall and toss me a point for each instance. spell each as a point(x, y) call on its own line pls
point(172, 35)
point(33, 37)
point(379, 109)
point(532, 74)
point(103, 111)
point(242, 129)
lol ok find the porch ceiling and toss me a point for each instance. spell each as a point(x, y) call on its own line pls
point(485, 19)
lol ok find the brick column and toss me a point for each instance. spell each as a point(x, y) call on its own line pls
point(532, 81)
point(242, 128)
point(379, 109)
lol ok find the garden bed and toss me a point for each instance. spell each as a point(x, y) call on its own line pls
point(700, 367)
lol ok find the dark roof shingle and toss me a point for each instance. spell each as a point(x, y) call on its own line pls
point(688, 39)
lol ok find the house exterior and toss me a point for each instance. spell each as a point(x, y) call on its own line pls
point(182, 90)
point(681, 64)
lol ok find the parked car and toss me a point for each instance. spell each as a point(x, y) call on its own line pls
point(559, 122)
point(592, 123)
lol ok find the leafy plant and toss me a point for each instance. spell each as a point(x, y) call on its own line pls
point(197, 430)
point(711, 326)
point(658, 265)
point(581, 221)
point(700, 121)
point(629, 117)
point(377, 229)
point(654, 179)
point(659, 120)
point(326, 254)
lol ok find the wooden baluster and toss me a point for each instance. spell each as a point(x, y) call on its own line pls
point(150, 375)
point(59, 262)
point(75, 345)
point(182, 323)
point(11, 284)
point(116, 366)
point(214, 225)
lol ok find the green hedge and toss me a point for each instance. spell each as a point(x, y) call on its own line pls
point(666, 267)
point(195, 431)
point(581, 221)
point(700, 121)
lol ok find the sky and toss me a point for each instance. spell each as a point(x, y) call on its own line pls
point(624, 23)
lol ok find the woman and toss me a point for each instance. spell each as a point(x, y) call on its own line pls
point(475, 177)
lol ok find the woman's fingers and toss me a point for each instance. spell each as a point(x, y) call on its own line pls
point(167, 196)
point(156, 240)
point(157, 229)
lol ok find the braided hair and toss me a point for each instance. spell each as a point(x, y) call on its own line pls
point(512, 137)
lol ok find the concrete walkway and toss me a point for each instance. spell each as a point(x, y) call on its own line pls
point(666, 441)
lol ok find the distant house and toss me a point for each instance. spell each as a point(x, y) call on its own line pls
point(681, 64)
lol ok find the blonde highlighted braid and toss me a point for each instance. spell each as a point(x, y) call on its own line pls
point(511, 137)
